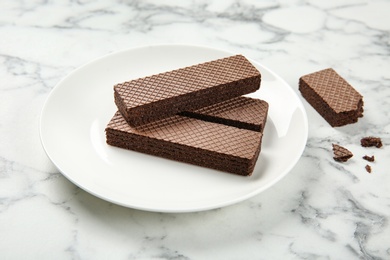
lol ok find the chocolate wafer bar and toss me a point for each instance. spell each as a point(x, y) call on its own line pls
point(242, 112)
point(190, 140)
point(159, 96)
point(332, 96)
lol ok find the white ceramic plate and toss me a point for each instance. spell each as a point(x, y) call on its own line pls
point(76, 112)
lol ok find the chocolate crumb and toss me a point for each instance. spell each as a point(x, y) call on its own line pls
point(341, 154)
point(368, 168)
point(371, 141)
point(369, 158)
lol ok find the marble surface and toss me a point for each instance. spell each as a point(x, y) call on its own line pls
point(321, 210)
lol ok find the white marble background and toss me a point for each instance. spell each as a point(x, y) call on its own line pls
point(321, 210)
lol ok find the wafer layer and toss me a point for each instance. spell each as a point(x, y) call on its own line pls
point(190, 140)
point(163, 95)
point(242, 112)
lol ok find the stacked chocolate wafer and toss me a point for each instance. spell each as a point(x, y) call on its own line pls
point(195, 114)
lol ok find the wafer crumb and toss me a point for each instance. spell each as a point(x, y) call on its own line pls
point(371, 141)
point(369, 158)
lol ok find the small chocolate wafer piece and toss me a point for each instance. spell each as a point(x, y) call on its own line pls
point(163, 95)
point(332, 96)
point(369, 158)
point(242, 112)
point(190, 140)
point(371, 141)
point(341, 154)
